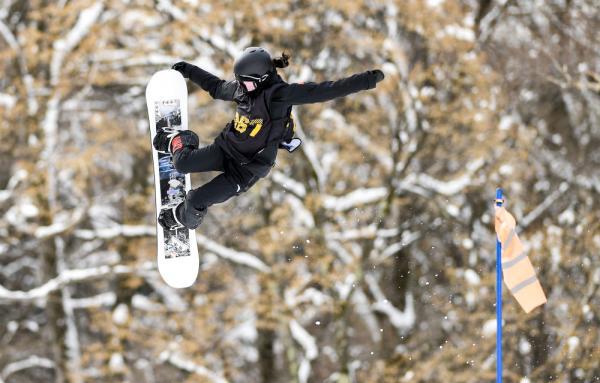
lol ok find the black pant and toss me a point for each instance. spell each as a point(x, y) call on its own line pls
point(234, 180)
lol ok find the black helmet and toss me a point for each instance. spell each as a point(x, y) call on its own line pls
point(253, 67)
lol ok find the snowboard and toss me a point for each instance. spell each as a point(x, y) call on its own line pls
point(166, 97)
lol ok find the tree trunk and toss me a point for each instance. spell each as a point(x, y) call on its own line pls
point(56, 318)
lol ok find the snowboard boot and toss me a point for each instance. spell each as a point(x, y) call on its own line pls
point(170, 140)
point(180, 216)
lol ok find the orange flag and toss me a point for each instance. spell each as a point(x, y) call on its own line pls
point(517, 269)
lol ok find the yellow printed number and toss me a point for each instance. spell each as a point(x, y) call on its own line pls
point(256, 129)
point(241, 123)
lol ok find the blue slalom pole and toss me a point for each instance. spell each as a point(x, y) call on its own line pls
point(499, 203)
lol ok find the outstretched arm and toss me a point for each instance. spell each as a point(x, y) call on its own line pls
point(296, 94)
point(217, 88)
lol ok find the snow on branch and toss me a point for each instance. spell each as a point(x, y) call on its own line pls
point(365, 232)
point(417, 182)
point(216, 41)
point(117, 231)
point(100, 300)
point(23, 364)
point(408, 184)
point(401, 320)
point(408, 237)
point(309, 345)
point(13, 181)
point(310, 295)
point(341, 252)
point(170, 297)
point(184, 364)
point(454, 186)
point(289, 183)
point(70, 276)
point(9, 37)
point(117, 62)
point(59, 226)
point(535, 213)
point(446, 188)
point(311, 153)
point(301, 215)
point(231, 48)
point(50, 126)
point(239, 257)
point(62, 47)
point(8, 101)
point(168, 7)
point(142, 302)
point(304, 339)
point(210, 245)
point(362, 140)
point(355, 198)
point(362, 308)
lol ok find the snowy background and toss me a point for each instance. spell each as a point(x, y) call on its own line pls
point(367, 256)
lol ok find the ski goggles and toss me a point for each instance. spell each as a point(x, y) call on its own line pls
point(251, 82)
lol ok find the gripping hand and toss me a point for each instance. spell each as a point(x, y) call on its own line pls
point(379, 76)
point(183, 68)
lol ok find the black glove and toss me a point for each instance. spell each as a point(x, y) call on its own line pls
point(183, 68)
point(290, 145)
point(378, 75)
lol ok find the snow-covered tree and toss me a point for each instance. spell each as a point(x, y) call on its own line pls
point(367, 256)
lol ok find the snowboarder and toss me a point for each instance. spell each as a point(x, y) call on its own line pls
point(247, 147)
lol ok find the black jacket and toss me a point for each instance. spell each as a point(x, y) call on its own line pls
point(263, 120)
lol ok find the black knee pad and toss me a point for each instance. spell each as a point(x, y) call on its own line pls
point(180, 160)
point(189, 141)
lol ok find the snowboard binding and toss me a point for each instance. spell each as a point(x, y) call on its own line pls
point(169, 140)
point(181, 216)
point(167, 218)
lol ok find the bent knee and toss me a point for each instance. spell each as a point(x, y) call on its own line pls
point(242, 185)
point(181, 161)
